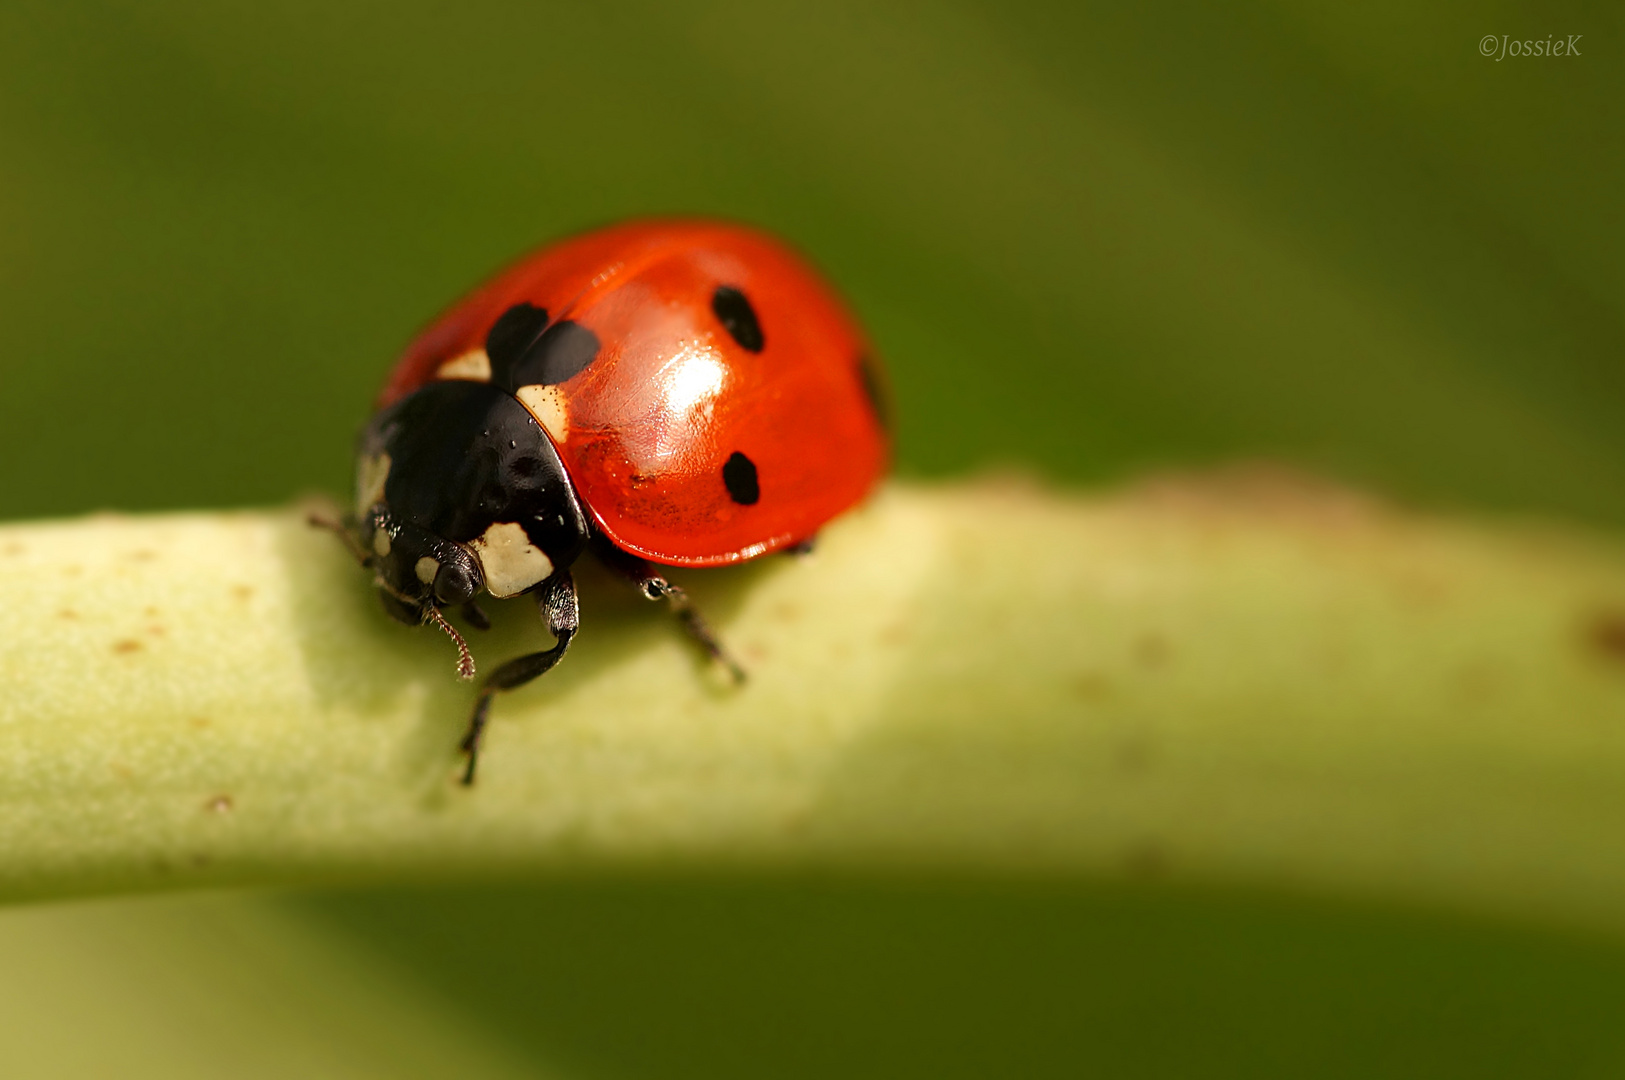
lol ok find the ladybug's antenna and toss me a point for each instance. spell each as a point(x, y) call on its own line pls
point(465, 659)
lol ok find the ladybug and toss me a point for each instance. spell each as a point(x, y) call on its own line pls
point(665, 393)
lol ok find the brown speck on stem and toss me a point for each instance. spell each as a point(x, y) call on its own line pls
point(1151, 650)
point(1145, 859)
point(14, 548)
point(1422, 590)
point(1605, 634)
point(125, 646)
point(142, 555)
point(242, 592)
point(1134, 755)
point(219, 804)
point(896, 633)
point(67, 613)
point(1092, 686)
point(1481, 680)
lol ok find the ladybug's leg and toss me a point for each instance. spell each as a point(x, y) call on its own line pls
point(654, 587)
point(694, 625)
point(557, 603)
point(344, 533)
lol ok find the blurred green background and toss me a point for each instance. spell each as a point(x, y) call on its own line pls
point(1089, 240)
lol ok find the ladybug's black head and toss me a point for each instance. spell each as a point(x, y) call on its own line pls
point(459, 491)
point(417, 569)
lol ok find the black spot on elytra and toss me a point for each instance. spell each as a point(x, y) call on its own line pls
point(737, 317)
point(513, 332)
point(739, 477)
point(562, 352)
point(874, 390)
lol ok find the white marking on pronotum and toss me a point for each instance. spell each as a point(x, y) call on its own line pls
point(426, 568)
point(380, 543)
point(471, 366)
point(546, 404)
point(511, 562)
point(371, 473)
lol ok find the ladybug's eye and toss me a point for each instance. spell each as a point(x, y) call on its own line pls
point(457, 581)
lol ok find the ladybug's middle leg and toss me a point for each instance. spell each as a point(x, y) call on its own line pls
point(643, 576)
point(556, 601)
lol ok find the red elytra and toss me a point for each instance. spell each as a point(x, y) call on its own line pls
point(645, 429)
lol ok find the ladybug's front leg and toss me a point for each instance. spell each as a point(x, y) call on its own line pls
point(654, 587)
point(345, 531)
point(556, 600)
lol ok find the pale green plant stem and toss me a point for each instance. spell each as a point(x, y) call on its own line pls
point(1275, 685)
